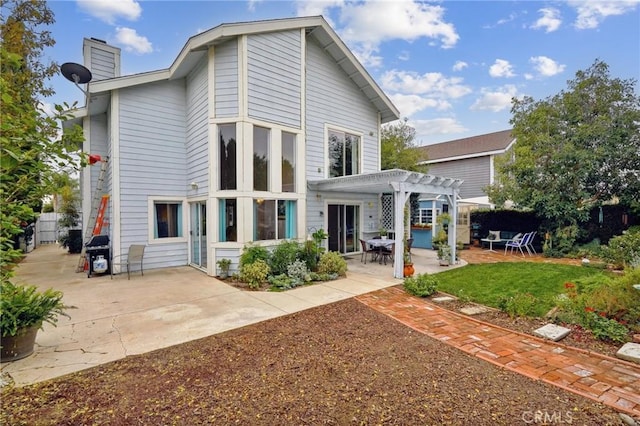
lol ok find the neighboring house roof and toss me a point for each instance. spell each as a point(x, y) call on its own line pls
point(316, 26)
point(475, 146)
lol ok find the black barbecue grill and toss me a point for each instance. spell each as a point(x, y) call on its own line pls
point(97, 246)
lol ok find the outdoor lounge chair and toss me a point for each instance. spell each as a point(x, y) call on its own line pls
point(519, 244)
point(530, 243)
point(134, 255)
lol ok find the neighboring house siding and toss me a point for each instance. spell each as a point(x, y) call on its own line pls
point(197, 128)
point(273, 62)
point(226, 79)
point(333, 99)
point(474, 171)
point(152, 163)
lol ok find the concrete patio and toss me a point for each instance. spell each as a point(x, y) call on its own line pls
point(111, 319)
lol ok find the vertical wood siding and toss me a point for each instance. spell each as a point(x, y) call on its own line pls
point(474, 172)
point(274, 77)
point(226, 79)
point(153, 161)
point(197, 128)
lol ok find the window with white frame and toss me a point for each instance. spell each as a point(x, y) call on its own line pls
point(167, 219)
point(227, 152)
point(426, 215)
point(288, 162)
point(261, 148)
point(344, 153)
point(274, 219)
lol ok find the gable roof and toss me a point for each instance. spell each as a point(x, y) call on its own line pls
point(475, 146)
point(315, 26)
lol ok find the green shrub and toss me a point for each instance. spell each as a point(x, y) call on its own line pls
point(25, 306)
point(283, 255)
point(605, 328)
point(314, 276)
point(310, 254)
point(519, 305)
point(623, 250)
point(332, 262)
point(298, 270)
point(251, 253)
point(255, 273)
point(421, 285)
point(283, 282)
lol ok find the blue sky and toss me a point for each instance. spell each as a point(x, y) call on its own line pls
point(451, 67)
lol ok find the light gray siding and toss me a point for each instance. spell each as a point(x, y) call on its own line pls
point(153, 162)
point(226, 79)
point(103, 60)
point(197, 128)
point(274, 77)
point(100, 145)
point(334, 99)
point(474, 171)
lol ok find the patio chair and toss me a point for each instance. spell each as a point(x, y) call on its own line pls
point(530, 243)
point(519, 244)
point(134, 255)
point(387, 252)
point(367, 249)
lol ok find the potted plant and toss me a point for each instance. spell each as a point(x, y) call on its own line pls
point(444, 254)
point(383, 233)
point(408, 269)
point(223, 265)
point(23, 310)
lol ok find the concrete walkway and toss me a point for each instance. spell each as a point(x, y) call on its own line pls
point(112, 319)
point(611, 381)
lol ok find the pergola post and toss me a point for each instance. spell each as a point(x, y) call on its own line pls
point(400, 197)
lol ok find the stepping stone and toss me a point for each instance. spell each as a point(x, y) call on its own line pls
point(629, 352)
point(474, 310)
point(552, 332)
point(443, 299)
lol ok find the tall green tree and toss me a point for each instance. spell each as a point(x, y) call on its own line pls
point(29, 143)
point(574, 150)
point(399, 150)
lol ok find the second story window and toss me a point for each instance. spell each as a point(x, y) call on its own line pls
point(227, 147)
point(260, 158)
point(344, 154)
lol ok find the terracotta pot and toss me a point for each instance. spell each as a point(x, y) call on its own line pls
point(408, 270)
point(19, 346)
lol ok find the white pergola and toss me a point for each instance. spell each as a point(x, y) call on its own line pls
point(402, 184)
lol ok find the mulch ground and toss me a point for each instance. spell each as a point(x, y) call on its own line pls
point(338, 364)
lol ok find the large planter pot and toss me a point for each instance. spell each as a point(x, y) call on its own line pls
point(19, 346)
point(408, 270)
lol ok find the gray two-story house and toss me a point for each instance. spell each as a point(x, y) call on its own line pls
point(257, 132)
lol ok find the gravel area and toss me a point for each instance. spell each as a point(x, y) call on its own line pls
point(338, 364)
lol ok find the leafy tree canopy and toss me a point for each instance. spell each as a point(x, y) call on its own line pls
point(30, 147)
point(574, 150)
point(399, 150)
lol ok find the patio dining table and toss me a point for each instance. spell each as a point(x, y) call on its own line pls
point(380, 244)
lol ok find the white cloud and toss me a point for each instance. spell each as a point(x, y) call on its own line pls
point(410, 104)
point(460, 65)
point(110, 10)
point(436, 126)
point(251, 5)
point(318, 7)
point(546, 67)
point(433, 84)
point(501, 68)
point(405, 55)
point(591, 13)
point(549, 21)
point(497, 100)
point(132, 42)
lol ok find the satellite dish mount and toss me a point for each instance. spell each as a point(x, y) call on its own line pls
point(77, 74)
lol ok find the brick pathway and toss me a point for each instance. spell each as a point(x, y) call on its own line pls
point(609, 380)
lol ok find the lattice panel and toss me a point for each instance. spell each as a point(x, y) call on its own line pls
point(386, 218)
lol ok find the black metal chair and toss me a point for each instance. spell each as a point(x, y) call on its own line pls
point(365, 250)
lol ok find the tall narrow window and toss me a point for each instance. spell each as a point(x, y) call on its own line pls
point(227, 146)
point(228, 217)
point(288, 162)
point(260, 159)
point(344, 154)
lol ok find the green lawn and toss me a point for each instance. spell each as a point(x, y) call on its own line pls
point(487, 283)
